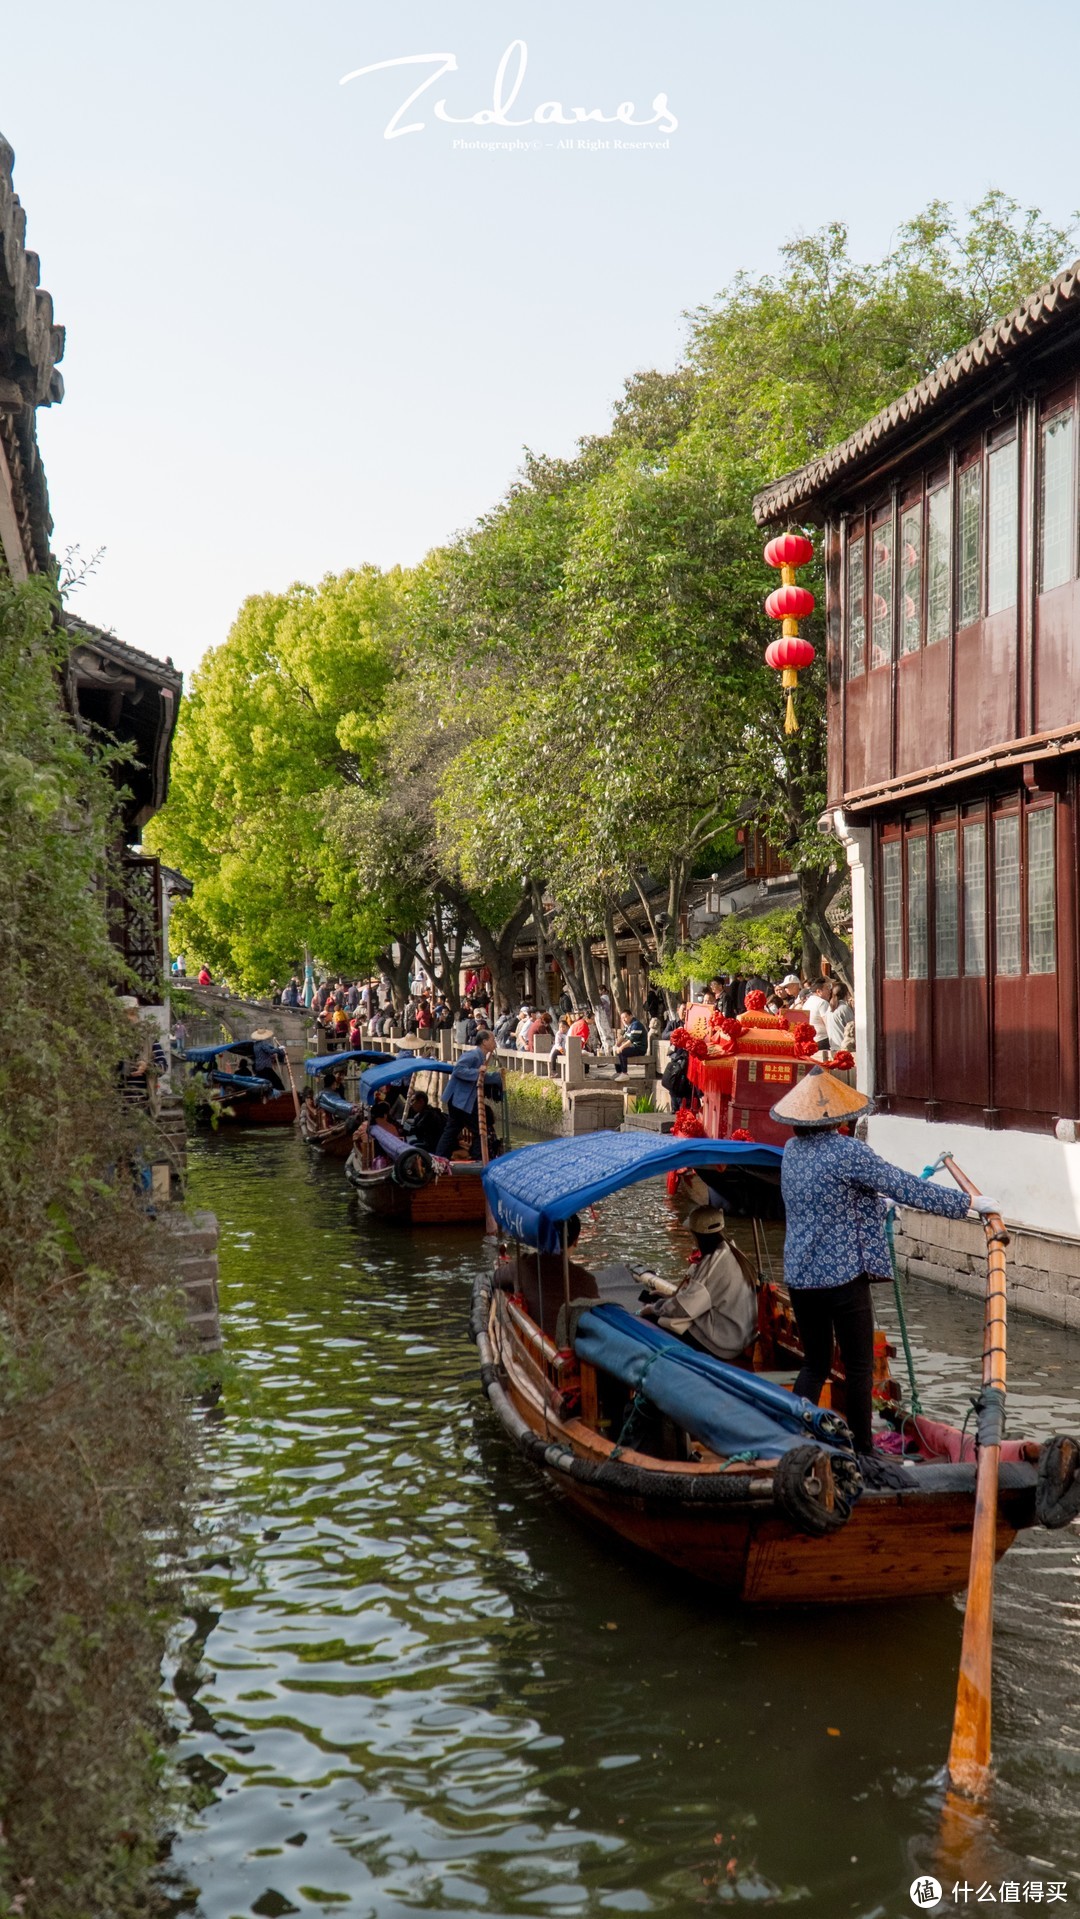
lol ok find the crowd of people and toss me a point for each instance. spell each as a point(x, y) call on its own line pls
point(826, 1003)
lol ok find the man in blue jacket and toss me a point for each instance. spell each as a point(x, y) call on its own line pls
point(461, 1094)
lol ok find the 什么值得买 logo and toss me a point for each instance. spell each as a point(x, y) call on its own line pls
point(509, 78)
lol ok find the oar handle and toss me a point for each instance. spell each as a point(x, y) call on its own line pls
point(993, 1223)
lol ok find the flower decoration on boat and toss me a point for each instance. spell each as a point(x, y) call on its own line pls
point(790, 603)
point(688, 1125)
point(741, 1133)
point(803, 1031)
point(842, 1062)
point(681, 1037)
point(755, 1000)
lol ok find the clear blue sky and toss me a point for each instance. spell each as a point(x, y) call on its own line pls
point(295, 345)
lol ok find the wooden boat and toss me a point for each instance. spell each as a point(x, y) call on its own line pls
point(338, 1116)
point(454, 1196)
point(792, 1524)
point(237, 1098)
point(395, 1179)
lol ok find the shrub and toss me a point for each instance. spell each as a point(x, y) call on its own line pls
point(534, 1102)
point(768, 945)
point(92, 1420)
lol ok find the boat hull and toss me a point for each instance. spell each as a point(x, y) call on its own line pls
point(897, 1544)
point(278, 1109)
point(454, 1199)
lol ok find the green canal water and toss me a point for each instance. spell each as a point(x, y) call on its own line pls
point(411, 1683)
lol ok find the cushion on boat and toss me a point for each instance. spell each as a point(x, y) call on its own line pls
point(733, 1411)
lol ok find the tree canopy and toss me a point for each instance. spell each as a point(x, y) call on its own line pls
point(567, 707)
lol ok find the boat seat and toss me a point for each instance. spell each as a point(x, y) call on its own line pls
point(618, 1285)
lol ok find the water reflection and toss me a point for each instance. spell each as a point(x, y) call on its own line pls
point(415, 1684)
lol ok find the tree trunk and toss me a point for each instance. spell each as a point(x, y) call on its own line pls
point(588, 973)
point(543, 992)
point(571, 977)
point(816, 890)
point(618, 991)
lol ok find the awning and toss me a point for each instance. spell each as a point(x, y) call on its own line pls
point(532, 1191)
point(326, 1060)
point(202, 1055)
point(392, 1071)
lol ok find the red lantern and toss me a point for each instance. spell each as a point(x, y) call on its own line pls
point(790, 603)
point(789, 549)
point(789, 653)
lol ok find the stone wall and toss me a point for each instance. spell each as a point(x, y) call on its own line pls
point(193, 1237)
point(1043, 1268)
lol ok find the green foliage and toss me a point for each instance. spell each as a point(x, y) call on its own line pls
point(643, 1103)
point(278, 721)
point(534, 1103)
point(767, 947)
point(92, 1423)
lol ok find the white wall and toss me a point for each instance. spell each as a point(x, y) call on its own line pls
point(1036, 1178)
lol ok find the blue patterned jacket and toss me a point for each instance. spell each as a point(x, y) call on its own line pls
point(833, 1189)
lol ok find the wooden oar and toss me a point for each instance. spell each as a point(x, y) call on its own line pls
point(292, 1083)
point(481, 1127)
point(969, 1749)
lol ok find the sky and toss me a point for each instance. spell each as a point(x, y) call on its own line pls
point(296, 344)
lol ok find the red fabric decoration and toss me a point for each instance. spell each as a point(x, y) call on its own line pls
point(804, 1031)
point(697, 1047)
point(681, 1037)
point(790, 603)
point(783, 1021)
point(842, 1061)
point(755, 1000)
point(806, 1049)
point(731, 1028)
point(789, 549)
point(688, 1125)
point(740, 1133)
point(789, 652)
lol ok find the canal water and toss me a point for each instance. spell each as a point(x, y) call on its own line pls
point(410, 1683)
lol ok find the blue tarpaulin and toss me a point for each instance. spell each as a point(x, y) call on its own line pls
point(334, 1104)
point(325, 1061)
point(392, 1071)
point(242, 1082)
point(731, 1410)
point(531, 1192)
point(202, 1055)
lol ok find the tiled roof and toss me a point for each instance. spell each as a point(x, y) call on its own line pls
point(1054, 304)
point(163, 671)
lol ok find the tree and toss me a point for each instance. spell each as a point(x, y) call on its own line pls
point(280, 719)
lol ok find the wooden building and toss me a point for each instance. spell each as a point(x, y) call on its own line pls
point(949, 525)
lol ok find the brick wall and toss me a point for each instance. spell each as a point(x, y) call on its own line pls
point(1043, 1268)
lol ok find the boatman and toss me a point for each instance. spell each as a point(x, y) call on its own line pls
point(835, 1248)
point(461, 1094)
point(267, 1052)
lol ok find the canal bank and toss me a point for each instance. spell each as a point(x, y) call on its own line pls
point(410, 1682)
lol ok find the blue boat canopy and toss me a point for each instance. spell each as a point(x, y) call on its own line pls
point(532, 1191)
point(392, 1071)
point(326, 1060)
point(202, 1055)
point(242, 1082)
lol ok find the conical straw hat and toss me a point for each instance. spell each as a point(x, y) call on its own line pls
point(820, 1099)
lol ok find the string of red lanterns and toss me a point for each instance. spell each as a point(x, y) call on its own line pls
point(790, 603)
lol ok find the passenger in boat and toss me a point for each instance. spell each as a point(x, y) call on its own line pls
point(309, 1115)
point(716, 1306)
point(266, 1052)
point(835, 1191)
point(423, 1122)
point(461, 1093)
point(464, 1150)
